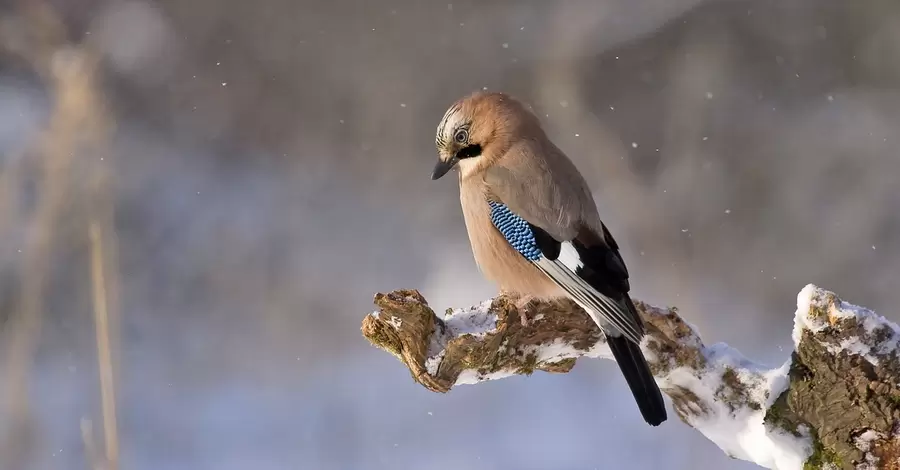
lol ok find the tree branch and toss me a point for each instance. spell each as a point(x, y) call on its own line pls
point(834, 403)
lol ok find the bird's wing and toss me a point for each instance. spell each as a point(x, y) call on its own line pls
point(548, 198)
point(577, 270)
point(529, 188)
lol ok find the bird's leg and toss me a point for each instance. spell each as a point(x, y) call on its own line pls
point(523, 304)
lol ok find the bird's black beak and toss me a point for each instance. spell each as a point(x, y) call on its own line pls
point(443, 167)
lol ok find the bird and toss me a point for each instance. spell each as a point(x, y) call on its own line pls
point(534, 227)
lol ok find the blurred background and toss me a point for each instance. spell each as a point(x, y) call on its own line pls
point(223, 185)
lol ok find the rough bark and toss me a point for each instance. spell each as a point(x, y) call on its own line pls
point(837, 396)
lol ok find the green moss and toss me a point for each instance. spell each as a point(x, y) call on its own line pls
point(730, 378)
point(799, 372)
point(388, 340)
point(895, 400)
point(881, 334)
point(780, 416)
point(565, 364)
point(821, 457)
point(528, 365)
point(818, 312)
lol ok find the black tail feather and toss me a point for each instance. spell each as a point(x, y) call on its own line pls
point(637, 373)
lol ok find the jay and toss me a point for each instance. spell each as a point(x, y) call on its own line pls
point(534, 227)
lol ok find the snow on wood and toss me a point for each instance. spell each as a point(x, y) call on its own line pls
point(834, 403)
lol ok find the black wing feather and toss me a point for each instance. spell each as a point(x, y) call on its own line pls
point(549, 246)
point(605, 270)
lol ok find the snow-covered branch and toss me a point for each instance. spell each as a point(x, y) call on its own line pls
point(835, 403)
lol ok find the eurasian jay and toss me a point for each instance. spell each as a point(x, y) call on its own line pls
point(534, 227)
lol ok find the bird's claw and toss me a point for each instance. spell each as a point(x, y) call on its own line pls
point(523, 306)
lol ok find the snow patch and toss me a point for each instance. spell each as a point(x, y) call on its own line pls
point(477, 321)
point(864, 443)
point(731, 412)
point(555, 351)
point(433, 362)
point(470, 377)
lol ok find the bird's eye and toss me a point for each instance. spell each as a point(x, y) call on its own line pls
point(461, 136)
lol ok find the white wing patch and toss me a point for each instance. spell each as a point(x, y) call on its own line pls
point(569, 256)
point(612, 317)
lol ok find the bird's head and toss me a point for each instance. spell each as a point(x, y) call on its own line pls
point(477, 130)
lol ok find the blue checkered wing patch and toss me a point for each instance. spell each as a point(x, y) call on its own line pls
point(516, 230)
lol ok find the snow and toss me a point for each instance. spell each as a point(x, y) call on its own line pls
point(864, 443)
point(740, 432)
point(477, 321)
point(559, 350)
point(806, 299)
point(470, 377)
point(434, 361)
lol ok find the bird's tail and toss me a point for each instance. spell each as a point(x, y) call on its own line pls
point(637, 373)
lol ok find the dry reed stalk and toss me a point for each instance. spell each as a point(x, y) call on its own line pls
point(77, 125)
point(104, 355)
